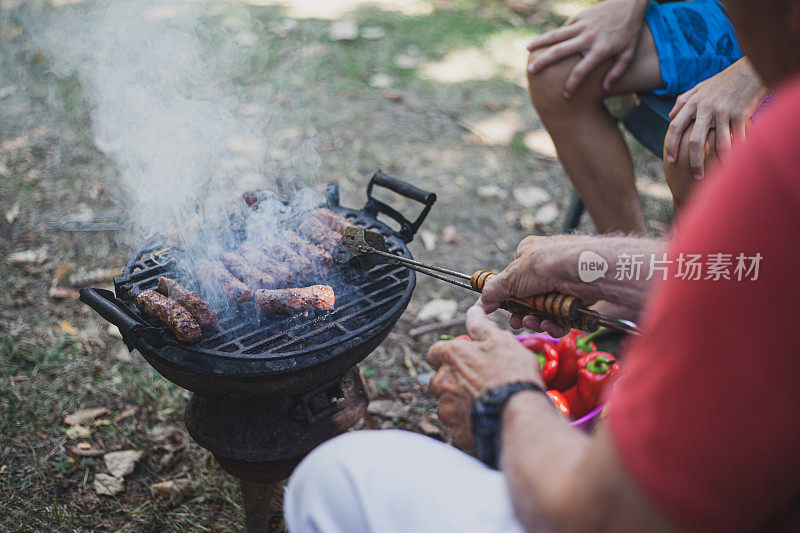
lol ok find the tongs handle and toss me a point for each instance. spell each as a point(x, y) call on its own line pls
point(561, 308)
point(374, 206)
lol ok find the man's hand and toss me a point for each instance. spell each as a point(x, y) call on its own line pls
point(604, 31)
point(467, 368)
point(723, 102)
point(542, 265)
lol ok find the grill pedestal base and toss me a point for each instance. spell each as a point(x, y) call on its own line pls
point(260, 442)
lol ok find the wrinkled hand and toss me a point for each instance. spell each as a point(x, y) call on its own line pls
point(606, 30)
point(542, 265)
point(467, 368)
point(723, 102)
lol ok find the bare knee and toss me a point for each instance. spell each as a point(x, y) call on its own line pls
point(546, 87)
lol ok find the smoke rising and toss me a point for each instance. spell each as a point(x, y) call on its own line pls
point(158, 78)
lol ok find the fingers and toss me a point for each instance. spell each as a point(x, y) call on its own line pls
point(526, 243)
point(479, 327)
point(516, 321)
point(676, 131)
point(554, 36)
point(582, 69)
point(556, 53)
point(495, 292)
point(554, 329)
point(437, 353)
point(697, 142)
point(532, 322)
point(723, 126)
point(679, 103)
point(739, 129)
point(618, 68)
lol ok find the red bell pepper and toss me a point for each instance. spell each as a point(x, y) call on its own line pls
point(546, 353)
point(560, 402)
point(571, 347)
point(597, 372)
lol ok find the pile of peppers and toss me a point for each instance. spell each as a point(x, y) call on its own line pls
point(578, 377)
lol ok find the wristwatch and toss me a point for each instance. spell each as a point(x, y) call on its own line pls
point(487, 416)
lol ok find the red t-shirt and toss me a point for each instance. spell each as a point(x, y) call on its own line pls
point(706, 417)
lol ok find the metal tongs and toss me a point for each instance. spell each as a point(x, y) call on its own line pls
point(358, 244)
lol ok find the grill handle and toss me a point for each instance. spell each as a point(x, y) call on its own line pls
point(108, 306)
point(373, 206)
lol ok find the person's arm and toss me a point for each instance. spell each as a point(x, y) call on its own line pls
point(565, 479)
point(546, 264)
point(558, 476)
point(724, 102)
point(608, 30)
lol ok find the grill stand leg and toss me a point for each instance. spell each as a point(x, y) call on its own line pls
point(257, 499)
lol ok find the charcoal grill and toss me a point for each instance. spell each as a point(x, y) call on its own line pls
point(267, 391)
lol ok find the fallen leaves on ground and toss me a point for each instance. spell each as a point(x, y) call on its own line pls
point(441, 310)
point(130, 411)
point(82, 416)
point(13, 213)
point(122, 463)
point(108, 485)
point(28, 257)
point(78, 432)
point(63, 293)
point(176, 490)
point(343, 30)
point(530, 196)
point(388, 408)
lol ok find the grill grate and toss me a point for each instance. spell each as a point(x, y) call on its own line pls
point(363, 301)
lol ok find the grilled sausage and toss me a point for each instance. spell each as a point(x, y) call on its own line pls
point(247, 273)
point(260, 260)
point(319, 256)
point(171, 313)
point(318, 233)
point(192, 301)
point(216, 273)
point(283, 253)
point(296, 300)
point(334, 221)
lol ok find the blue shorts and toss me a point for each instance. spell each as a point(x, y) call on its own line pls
point(694, 40)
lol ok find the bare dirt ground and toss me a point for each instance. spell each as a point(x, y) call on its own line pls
point(431, 92)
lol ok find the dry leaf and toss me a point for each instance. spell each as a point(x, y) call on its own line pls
point(63, 293)
point(83, 416)
point(108, 485)
point(428, 427)
point(68, 328)
point(164, 433)
point(62, 271)
point(176, 490)
point(101, 422)
point(428, 239)
point(81, 451)
point(450, 235)
point(439, 310)
point(491, 191)
point(13, 213)
point(79, 432)
point(388, 408)
point(28, 257)
point(130, 411)
point(530, 196)
point(381, 81)
point(394, 96)
point(547, 214)
point(122, 463)
point(372, 33)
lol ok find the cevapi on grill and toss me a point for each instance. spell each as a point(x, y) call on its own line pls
point(191, 301)
point(236, 291)
point(296, 299)
point(174, 315)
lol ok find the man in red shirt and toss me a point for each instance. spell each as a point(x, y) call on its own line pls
point(702, 430)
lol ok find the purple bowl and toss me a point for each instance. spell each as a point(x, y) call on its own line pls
point(587, 422)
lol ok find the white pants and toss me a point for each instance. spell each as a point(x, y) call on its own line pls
point(389, 481)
